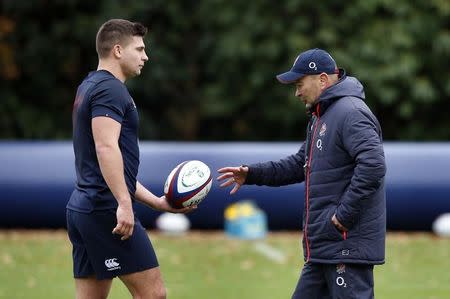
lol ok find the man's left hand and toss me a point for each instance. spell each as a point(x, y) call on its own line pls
point(338, 224)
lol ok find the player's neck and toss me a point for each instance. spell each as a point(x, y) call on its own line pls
point(113, 68)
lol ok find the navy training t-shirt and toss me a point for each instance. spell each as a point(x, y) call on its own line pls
point(102, 94)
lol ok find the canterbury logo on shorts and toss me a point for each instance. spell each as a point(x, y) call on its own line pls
point(112, 264)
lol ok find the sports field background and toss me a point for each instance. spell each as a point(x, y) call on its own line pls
point(37, 264)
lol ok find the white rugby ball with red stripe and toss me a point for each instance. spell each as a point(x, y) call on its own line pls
point(188, 184)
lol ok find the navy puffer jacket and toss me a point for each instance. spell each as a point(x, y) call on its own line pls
point(343, 166)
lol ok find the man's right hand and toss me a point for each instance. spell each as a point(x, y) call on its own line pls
point(233, 175)
point(125, 221)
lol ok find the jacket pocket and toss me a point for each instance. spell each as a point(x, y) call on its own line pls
point(333, 232)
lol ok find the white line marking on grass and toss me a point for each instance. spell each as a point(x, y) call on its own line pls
point(270, 252)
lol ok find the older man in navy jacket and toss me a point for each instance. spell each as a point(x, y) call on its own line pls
point(342, 164)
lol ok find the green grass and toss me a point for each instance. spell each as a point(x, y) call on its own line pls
point(37, 264)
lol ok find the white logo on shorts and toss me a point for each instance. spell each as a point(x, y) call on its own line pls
point(111, 264)
point(341, 282)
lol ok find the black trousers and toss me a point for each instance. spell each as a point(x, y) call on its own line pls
point(341, 281)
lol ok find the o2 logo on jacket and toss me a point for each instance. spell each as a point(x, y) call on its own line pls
point(319, 144)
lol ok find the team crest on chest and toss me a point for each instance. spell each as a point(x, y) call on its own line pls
point(340, 268)
point(323, 129)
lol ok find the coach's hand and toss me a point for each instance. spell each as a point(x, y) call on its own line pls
point(125, 221)
point(234, 175)
point(338, 224)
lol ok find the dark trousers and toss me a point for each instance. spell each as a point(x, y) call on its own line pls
point(328, 281)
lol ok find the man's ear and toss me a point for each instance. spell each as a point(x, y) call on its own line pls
point(324, 81)
point(117, 51)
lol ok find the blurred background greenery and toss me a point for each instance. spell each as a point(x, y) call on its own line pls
point(211, 74)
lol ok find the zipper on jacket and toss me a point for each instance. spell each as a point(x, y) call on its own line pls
point(307, 170)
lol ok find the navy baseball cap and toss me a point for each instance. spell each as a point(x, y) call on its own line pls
point(310, 62)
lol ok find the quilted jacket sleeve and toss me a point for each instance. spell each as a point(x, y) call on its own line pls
point(278, 173)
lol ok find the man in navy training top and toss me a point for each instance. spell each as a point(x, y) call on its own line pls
point(108, 240)
point(342, 164)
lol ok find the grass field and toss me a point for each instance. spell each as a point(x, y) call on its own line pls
point(37, 264)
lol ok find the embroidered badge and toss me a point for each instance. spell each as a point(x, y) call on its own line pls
point(323, 129)
point(340, 268)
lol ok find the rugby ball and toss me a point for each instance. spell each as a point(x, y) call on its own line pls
point(188, 184)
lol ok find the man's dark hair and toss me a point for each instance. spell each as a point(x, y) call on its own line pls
point(116, 31)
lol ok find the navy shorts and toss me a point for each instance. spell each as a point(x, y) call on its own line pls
point(100, 253)
point(341, 281)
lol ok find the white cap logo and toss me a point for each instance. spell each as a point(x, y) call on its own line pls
point(312, 65)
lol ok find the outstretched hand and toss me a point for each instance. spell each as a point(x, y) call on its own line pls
point(233, 175)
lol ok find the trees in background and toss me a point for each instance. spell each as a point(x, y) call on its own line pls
point(212, 67)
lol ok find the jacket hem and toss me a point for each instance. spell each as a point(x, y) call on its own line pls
point(346, 261)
